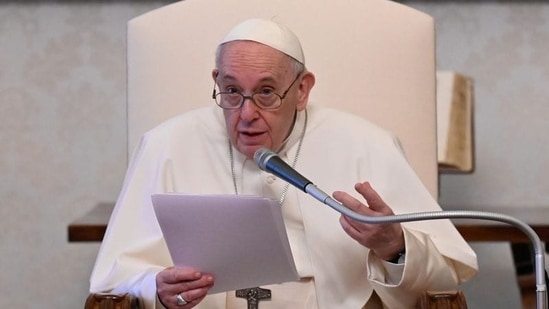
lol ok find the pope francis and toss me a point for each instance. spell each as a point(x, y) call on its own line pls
point(261, 90)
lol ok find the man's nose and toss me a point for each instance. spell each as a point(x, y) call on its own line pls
point(249, 109)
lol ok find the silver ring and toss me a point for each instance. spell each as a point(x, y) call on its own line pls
point(180, 300)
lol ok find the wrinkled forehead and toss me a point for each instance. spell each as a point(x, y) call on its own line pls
point(269, 33)
point(253, 59)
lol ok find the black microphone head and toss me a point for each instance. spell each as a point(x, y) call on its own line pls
point(261, 156)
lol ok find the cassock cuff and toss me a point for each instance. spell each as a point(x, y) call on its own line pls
point(387, 273)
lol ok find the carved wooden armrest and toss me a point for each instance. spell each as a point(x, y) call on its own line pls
point(428, 300)
point(442, 300)
point(111, 301)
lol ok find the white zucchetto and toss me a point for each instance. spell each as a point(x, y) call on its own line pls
point(269, 33)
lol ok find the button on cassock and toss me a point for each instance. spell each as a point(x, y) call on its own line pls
point(270, 179)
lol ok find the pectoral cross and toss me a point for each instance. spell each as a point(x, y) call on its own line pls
point(253, 296)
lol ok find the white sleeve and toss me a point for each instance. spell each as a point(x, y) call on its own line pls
point(424, 268)
point(133, 250)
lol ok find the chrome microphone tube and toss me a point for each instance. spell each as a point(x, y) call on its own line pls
point(269, 161)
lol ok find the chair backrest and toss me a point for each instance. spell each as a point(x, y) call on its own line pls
point(374, 58)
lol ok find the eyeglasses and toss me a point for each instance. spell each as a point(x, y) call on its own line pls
point(265, 99)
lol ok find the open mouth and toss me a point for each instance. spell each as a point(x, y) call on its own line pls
point(251, 137)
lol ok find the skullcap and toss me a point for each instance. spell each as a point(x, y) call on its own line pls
point(269, 33)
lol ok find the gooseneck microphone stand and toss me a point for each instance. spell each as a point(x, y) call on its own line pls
point(269, 161)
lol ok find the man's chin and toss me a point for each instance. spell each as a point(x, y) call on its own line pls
point(249, 150)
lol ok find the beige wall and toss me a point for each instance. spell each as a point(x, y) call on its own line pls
point(63, 129)
point(62, 140)
point(503, 46)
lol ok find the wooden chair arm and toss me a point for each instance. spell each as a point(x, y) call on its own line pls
point(442, 300)
point(111, 301)
point(428, 300)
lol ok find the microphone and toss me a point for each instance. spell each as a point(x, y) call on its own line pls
point(270, 162)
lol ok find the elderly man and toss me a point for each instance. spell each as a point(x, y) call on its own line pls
point(261, 87)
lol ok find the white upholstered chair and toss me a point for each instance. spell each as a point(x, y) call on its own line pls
point(375, 58)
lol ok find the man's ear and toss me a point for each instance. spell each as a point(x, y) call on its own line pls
point(305, 85)
point(215, 72)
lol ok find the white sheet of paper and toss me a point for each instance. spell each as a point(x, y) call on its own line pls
point(240, 239)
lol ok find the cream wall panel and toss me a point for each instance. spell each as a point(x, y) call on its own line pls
point(62, 140)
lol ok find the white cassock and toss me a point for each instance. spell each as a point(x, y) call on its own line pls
point(190, 154)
